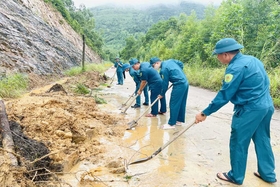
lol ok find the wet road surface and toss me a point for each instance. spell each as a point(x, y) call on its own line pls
point(192, 160)
point(197, 155)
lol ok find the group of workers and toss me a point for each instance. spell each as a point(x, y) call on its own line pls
point(245, 84)
point(147, 77)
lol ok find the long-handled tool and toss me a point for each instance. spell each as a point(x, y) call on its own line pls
point(134, 98)
point(133, 123)
point(162, 147)
point(109, 86)
point(131, 102)
point(124, 104)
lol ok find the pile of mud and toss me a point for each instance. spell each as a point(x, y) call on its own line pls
point(65, 126)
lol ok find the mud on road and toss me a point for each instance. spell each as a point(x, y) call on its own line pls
point(67, 125)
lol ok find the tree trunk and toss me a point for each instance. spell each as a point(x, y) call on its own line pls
point(8, 142)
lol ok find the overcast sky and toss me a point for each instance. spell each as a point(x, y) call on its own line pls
point(93, 3)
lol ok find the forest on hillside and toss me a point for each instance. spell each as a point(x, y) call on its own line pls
point(117, 23)
point(81, 20)
point(255, 24)
point(106, 28)
point(189, 37)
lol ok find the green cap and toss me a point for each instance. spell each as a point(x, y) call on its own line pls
point(133, 61)
point(225, 45)
point(125, 66)
point(154, 60)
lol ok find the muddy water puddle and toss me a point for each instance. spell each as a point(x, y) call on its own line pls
point(191, 160)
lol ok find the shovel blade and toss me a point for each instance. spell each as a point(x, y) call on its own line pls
point(132, 122)
point(141, 160)
point(131, 125)
point(123, 105)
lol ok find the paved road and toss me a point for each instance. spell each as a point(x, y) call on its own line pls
point(196, 156)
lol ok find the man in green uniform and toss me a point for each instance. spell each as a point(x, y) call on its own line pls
point(246, 85)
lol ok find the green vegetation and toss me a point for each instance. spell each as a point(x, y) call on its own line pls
point(101, 68)
point(209, 78)
point(98, 67)
point(81, 89)
point(255, 24)
point(118, 23)
point(127, 177)
point(187, 32)
point(81, 20)
point(275, 86)
point(99, 100)
point(13, 86)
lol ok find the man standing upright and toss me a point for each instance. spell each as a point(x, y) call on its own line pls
point(118, 65)
point(172, 71)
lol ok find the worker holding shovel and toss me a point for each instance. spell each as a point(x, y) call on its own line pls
point(118, 65)
point(172, 71)
point(151, 77)
point(136, 78)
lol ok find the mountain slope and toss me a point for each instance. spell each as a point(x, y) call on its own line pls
point(35, 38)
point(117, 23)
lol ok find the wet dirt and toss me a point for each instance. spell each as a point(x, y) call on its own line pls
point(94, 147)
point(71, 126)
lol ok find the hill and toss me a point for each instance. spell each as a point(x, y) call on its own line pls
point(35, 38)
point(117, 23)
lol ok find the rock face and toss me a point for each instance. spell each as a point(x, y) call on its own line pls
point(35, 38)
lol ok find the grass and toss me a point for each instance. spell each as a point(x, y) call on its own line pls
point(274, 77)
point(81, 89)
point(13, 86)
point(99, 100)
point(101, 68)
point(127, 177)
point(212, 79)
point(204, 77)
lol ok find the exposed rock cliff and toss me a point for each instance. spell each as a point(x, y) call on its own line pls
point(35, 38)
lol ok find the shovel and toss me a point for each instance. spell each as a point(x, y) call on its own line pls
point(109, 86)
point(124, 104)
point(131, 102)
point(162, 147)
point(133, 123)
point(134, 98)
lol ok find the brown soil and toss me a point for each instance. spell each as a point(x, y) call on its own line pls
point(61, 124)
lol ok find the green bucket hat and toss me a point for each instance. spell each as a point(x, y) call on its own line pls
point(133, 61)
point(154, 60)
point(125, 66)
point(225, 45)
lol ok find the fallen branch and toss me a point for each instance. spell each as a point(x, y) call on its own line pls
point(48, 182)
point(16, 155)
point(8, 142)
point(38, 159)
